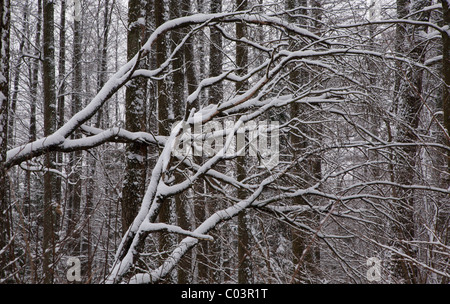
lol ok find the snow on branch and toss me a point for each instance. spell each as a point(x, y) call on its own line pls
point(57, 140)
point(156, 227)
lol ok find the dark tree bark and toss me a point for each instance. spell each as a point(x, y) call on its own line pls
point(446, 74)
point(443, 220)
point(164, 120)
point(215, 56)
point(135, 119)
point(61, 63)
point(176, 10)
point(49, 238)
point(17, 72)
point(61, 86)
point(34, 77)
point(215, 96)
point(35, 74)
point(307, 172)
point(409, 107)
point(103, 115)
point(75, 158)
point(189, 58)
point(245, 275)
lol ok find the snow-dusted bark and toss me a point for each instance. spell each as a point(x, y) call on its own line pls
point(446, 72)
point(76, 102)
point(299, 144)
point(135, 118)
point(177, 96)
point(409, 108)
point(49, 105)
point(5, 15)
point(245, 267)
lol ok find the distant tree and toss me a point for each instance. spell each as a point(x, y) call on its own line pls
point(446, 75)
point(245, 275)
point(409, 109)
point(5, 232)
point(75, 158)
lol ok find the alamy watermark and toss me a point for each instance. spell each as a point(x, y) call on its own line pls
point(258, 139)
point(74, 272)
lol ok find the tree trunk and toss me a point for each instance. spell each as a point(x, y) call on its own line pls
point(35, 75)
point(103, 61)
point(49, 238)
point(17, 72)
point(309, 171)
point(91, 185)
point(135, 120)
point(30, 200)
point(443, 219)
point(75, 158)
point(446, 75)
point(409, 107)
point(176, 10)
point(164, 121)
point(61, 85)
point(245, 275)
point(5, 237)
point(215, 96)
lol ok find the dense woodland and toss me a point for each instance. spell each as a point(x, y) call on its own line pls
point(94, 95)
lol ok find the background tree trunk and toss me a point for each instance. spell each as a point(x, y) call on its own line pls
point(309, 171)
point(165, 117)
point(446, 75)
point(444, 218)
point(177, 10)
point(75, 158)
point(49, 239)
point(409, 108)
point(61, 93)
point(5, 235)
point(135, 119)
point(216, 248)
point(245, 275)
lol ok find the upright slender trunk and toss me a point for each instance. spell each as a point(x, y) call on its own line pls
point(164, 120)
point(92, 164)
point(75, 158)
point(409, 107)
point(35, 74)
point(5, 237)
point(446, 75)
point(215, 96)
point(443, 220)
point(29, 200)
point(135, 120)
point(61, 86)
point(103, 60)
point(49, 238)
point(176, 10)
point(245, 275)
point(189, 58)
point(308, 172)
point(61, 63)
point(17, 73)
